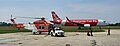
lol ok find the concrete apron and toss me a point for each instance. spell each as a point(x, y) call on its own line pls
point(7, 39)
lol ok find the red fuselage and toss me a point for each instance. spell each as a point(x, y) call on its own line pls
point(92, 22)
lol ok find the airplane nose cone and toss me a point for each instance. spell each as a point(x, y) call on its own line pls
point(106, 23)
point(102, 22)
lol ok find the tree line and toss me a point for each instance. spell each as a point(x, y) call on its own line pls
point(4, 24)
point(8, 24)
point(116, 24)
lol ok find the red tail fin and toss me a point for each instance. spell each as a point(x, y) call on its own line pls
point(68, 19)
point(54, 16)
point(13, 20)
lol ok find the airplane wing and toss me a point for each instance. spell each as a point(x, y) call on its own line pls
point(78, 24)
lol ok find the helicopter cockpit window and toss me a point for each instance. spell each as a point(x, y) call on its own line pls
point(41, 27)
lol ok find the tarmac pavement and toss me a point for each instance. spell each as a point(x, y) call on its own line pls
point(72, 38)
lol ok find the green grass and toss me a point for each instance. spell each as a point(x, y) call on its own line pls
point(13, 31)
point(75, 29)
point(84, 30)
point(106, 27)
point(8, 29)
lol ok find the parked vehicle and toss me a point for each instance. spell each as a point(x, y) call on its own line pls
point(57, 32)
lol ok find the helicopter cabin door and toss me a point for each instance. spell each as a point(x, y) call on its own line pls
point(43, 28)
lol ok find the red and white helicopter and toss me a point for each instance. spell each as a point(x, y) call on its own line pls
point(36, 26)
point(78, 22)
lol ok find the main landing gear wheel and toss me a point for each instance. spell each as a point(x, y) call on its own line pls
point(34, 33)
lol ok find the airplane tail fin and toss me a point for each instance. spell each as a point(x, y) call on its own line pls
point(68, 19)
point(13, 20)
point(54, 16)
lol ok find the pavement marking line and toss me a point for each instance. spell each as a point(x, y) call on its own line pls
point(7, 39)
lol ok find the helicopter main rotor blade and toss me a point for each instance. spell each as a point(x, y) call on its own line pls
point(31, 17)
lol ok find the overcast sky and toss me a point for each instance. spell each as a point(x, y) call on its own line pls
point(108, 10)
